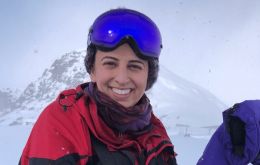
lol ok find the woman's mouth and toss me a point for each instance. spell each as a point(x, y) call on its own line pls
point(121, 91)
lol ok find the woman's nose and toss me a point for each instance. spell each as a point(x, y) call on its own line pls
point(122, 76)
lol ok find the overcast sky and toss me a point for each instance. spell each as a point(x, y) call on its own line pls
point(214, 44)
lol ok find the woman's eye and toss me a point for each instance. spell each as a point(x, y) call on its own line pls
point(110, 64)
point(135, 67)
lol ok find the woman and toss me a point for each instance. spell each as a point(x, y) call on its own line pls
point(108, 120)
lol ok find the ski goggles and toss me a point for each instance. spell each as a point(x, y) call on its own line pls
point(115, 26)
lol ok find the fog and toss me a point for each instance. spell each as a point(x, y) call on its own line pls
point(214, 44)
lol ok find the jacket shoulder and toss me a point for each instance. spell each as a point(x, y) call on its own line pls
point(59, 130)
point(65, 100)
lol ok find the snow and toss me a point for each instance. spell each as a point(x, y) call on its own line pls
point(189, 149)
point(13, 139)
point(167, 83)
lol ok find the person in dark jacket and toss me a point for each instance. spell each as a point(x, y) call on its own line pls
point(237, 140)
point(108, 121)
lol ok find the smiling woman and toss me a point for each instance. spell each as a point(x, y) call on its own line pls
point(121, 75)
point(110, 119)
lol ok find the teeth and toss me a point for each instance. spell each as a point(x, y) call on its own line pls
point(121, 91)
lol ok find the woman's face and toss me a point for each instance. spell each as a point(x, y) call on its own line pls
point(121, 75)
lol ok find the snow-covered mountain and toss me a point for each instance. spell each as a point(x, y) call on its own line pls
point(180, 104)
point(5, 100)
point(65, 72)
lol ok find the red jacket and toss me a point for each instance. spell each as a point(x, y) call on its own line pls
point(64, 133)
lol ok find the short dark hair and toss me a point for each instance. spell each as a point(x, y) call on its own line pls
point(153, 64)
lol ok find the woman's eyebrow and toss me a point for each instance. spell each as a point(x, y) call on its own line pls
point(109, 57)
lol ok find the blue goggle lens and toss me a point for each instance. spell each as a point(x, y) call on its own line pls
point(110, 28)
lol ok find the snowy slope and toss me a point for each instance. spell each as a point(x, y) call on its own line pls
point(185, 107)
point(180, 104)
